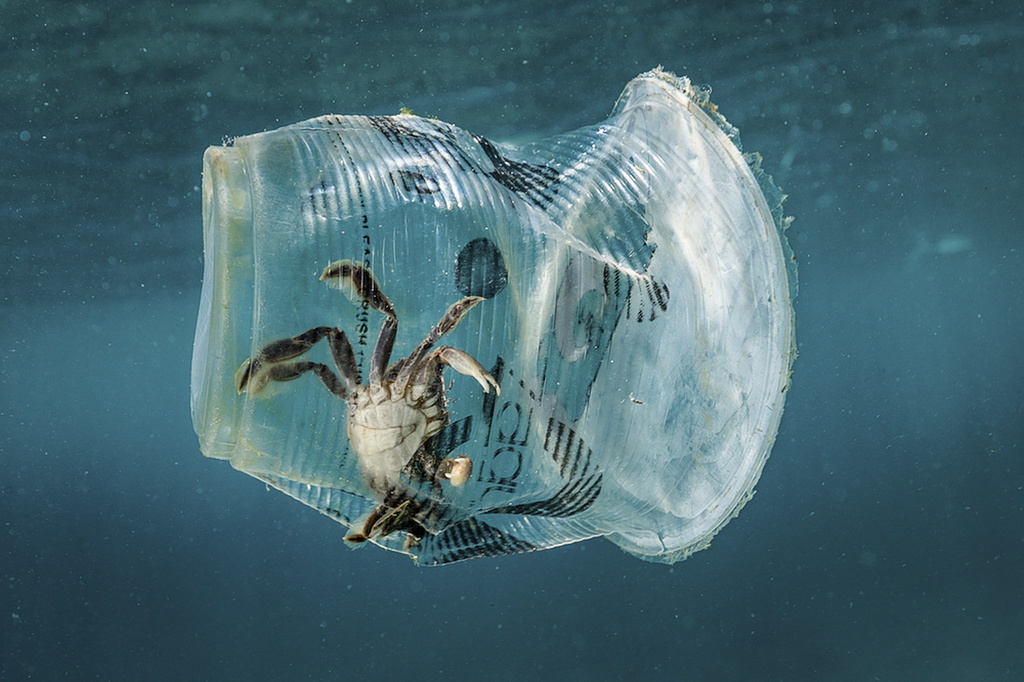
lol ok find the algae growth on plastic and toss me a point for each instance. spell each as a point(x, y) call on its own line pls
point(458, 348)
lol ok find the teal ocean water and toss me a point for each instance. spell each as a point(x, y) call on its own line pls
point(885, 539)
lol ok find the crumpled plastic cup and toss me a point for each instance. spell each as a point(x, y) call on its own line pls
point(636, 313)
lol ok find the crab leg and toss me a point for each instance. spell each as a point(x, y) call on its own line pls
point(285, 349)
point(447, 323)
point(382, 349)
point(344, 359)
point(359, 285)
point(252, 377)
point(293, 370)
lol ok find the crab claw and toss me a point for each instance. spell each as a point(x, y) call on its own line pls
point(466, 364)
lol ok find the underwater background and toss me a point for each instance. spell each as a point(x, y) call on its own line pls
point(886, 539)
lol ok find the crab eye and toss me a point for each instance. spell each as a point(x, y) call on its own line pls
point(612, 360)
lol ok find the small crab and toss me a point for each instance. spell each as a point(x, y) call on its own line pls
point(392, 420)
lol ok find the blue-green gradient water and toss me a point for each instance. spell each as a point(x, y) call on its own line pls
point(887, 536)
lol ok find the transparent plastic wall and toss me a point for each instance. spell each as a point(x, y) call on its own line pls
point(625, 294)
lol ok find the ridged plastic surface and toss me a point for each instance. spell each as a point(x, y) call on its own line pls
point(637, 317)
